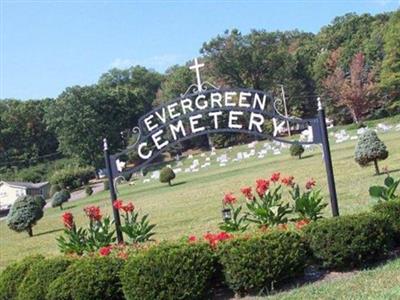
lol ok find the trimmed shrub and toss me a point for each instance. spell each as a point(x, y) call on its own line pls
point(72, 177)
point(90, 279)
point(40, 201)
point(257, 263)
point(59, 198)
point(346, 242)
point(54, 189)
point(24, 214)
point(14, 274)
point(370, 149)
point(390, 211)
point(88, 190)
point(40, 276)
point(169, 271)
point(166, 175)
point(296, 150)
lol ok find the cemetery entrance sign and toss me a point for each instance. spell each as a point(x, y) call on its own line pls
point(207, 110)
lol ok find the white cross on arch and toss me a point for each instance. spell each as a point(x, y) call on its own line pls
point(197, 67)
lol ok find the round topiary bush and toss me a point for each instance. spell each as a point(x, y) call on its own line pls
point(257, 263)
point(90, 279)
point(370, 149)
point(40, 201)
point(54, 189)
point(180, 271)
point(166, 175)
point(296, 149)
point(342, 243)
point(24, 214)
point(14, 274)
point(59, 198)
point(40, 276)
point(88, 190)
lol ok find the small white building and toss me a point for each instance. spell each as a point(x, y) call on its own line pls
point(10, 191)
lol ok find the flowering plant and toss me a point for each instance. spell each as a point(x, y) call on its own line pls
point(307, 205)
point(235, 221)
point(78, 240)
point(268, 209)
point(100, 233)
point(73, 240)
point(212, 238)
point(137, 230)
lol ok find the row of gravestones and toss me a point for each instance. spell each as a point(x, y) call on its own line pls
point(274, 148)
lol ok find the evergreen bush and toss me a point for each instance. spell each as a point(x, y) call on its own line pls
point(14, 274)
point(59, 198)
point(255, 264)
point(370, 149)
point(296, 149)
point(24, 214)
point(40, 201)
point(40, 276)
point(346, 242)
point(166, 175)
point(54, 189)
point(72, 177)
point(90, 278)
point(89, 190)
point(169, 271)
point(390, 211)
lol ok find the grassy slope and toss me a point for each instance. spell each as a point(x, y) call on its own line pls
point(193, 205)
point(379, 283)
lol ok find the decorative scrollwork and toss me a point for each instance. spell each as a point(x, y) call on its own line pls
point(135, 130)
point(118, 180)
point(194, 88)
point(280, 102)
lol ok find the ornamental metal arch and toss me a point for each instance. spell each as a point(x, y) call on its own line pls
point(209, 110)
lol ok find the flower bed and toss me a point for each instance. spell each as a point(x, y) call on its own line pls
point(273, 252)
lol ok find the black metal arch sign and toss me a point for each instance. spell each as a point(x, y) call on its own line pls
point(211, 111)
point(208, 111)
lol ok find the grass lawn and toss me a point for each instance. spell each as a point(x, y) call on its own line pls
point(193, 205)
point(379, 283)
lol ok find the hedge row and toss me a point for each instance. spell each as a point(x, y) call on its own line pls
point(72, 177)
point(191, 270)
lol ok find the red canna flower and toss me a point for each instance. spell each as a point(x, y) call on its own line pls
point(262, 187)
point(275, 177)
point(310, 183)
point(192, 239)
point(229, 198)
point(288, 181)
point(300, 224)
point(105, 251)
point(128, 208)
point(118, 204)
point(68, 220)
point(246, 191)
point(93, 212)
point(214, 239)
point(222, 236)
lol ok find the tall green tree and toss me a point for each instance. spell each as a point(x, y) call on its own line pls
point(24, 135)
point(83, 116)
point(390, 74)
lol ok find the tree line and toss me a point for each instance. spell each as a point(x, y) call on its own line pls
point(353, 64)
